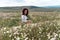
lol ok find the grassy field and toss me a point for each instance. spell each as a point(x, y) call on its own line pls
point(44, 26)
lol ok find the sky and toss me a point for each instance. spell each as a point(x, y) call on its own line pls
point(40, 3)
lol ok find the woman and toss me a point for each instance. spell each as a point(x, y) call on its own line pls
point(25, 17)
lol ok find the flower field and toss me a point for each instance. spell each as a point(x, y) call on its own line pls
point(44, 26)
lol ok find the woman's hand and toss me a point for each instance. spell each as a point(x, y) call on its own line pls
point(29, 21)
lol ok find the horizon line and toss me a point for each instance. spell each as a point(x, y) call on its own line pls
point(31, 5)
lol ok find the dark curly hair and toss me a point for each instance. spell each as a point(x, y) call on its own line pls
point(23, 11)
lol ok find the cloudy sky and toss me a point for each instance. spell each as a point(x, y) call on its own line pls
point(4, 3)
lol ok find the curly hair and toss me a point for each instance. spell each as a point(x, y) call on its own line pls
point(23, 11)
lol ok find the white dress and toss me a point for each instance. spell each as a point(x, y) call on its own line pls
point(24, 18)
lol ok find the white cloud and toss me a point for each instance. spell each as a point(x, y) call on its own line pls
point(43, 2)
point(29, 2)
point(9, 3)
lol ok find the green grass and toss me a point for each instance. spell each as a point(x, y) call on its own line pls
point(48, 25)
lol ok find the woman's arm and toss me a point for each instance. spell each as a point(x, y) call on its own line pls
point(29, 19)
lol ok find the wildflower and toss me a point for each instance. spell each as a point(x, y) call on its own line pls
point(7, 32)
point(53, 39)
point(18, 38)
point(12, 39)
point(15, 33)
point(5, 28)
point(4, 32)
point(14, 36)
point(14, 29)
point(58, 30)
point(58, 24)
point(48, 35)
point(51, 24)
point(20, 26)
point(55, 35)
point(32, 25)
point(39, 32)
point(26, 38)
point(10, 35)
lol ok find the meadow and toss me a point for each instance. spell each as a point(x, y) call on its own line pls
point(44, 26)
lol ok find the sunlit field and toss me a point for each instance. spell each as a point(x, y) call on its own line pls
point(44, 26)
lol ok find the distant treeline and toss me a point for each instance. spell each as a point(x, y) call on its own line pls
point(31, 8)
